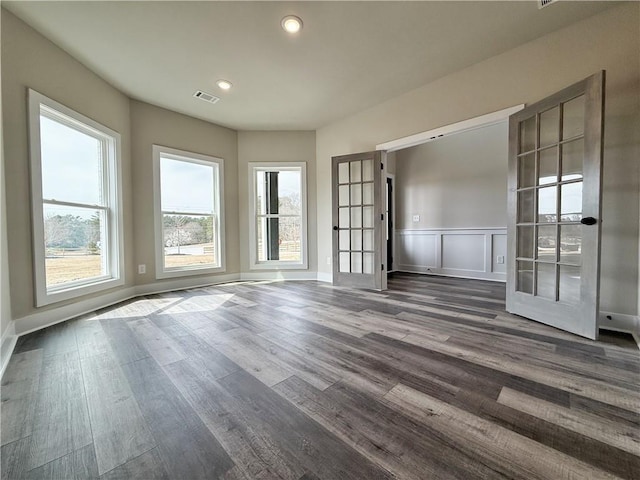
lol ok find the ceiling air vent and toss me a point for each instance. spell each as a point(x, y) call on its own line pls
point(207, 97)
point(544, 3)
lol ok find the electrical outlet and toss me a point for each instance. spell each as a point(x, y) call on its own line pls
point(328, 260)
point(500, 259)
point(416, 218)
point(142, 269)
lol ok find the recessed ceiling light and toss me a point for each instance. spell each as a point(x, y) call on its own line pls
point(224, 84)
point(291, 24)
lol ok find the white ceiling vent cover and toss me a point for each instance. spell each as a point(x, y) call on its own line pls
point(207, 97)
point(544, 3)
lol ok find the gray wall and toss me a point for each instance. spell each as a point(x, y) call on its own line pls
point(154, 125)
point(458, 181)
point(5, 299)
point(526, 74)
point(261, 146)
point(31, 61)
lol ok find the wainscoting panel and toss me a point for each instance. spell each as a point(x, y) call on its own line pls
point(469, 253)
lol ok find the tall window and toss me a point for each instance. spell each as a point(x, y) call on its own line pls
point(76, 214)
point(188, 193)
point(278, 217)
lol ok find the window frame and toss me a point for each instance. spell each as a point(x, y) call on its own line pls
point(218, 207)
point(254, 168)
point(113, 208)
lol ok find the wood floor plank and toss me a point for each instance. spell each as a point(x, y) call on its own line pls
point(119, 430)
point(61, 420)
point(147, 466)
point(254, 450)
point(188, 448)
point(384, 437)
point(598, 390)
point(615, 434)
point(161, 347)
point(78, 465)
point(209, 362)
point(13, 459)
point(312, 446)
point(527, 458)
point(20, 384)
point(91, 338)
point(237, 347)
point(291, 363)
point(125, 346)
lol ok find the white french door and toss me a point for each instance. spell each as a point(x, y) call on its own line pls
point(554, 205)
point(359, 244)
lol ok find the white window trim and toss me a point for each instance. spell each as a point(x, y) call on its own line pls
point(197, 158)
point(253, 240)
point(116, 250)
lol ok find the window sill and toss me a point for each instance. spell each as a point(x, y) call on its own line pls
point(188, 272)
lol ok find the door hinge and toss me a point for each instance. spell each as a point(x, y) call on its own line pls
point(381, 166)
point(382, 266)
point(382, 216)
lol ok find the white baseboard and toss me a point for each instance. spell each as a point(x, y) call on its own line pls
point(279, 275)
point(184, 284)
point(620, 322)
point(46, 318)
point(8, 343)
point(325, 277)
point(442, 272)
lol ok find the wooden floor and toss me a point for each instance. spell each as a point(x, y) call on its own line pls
point(301, 380)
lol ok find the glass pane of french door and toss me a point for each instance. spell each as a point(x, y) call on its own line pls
point(549, 195)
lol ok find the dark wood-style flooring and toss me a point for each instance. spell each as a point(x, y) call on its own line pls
point(300, 380)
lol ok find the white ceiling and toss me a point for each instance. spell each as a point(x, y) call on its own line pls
point(349, 55)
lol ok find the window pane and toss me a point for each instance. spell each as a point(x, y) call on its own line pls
point(571, 203)
point(548, 170)
point(343, 172)
point(526, 170)
point(344, 243)
point(547, 200)
point(367, 239)
point(356, 171)
point(571, 244)
point(573, 118)
point(524, 279)
point(279, 239)
point(572, 158)
point(356, 239)
point(367, 170)
point(186, 187)
point(527, 135)
point(356, 194)
point(74, 239)
point(344, 262)
point(546, 280)
point(368, 263)
point(525, 242)
point(570, 284)
point(343, 195)
point(289, 193)
point(525, 206)
point(549, 126)
point(367, 193)
point(72, 165)
point(189, 241)
point(547, 243)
